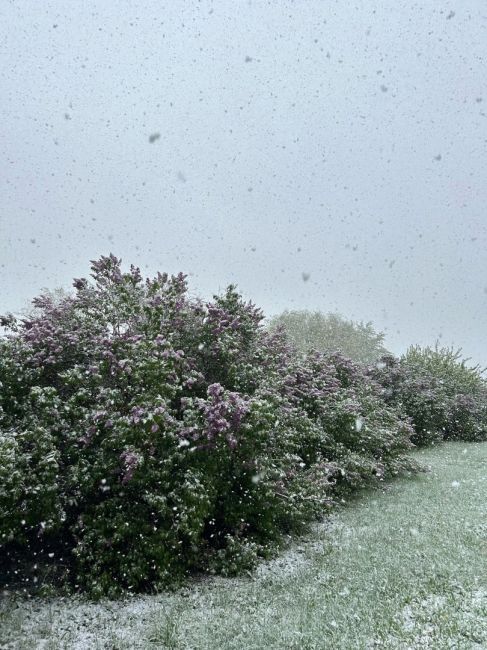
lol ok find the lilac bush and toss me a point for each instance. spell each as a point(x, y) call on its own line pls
point(145, 434)
point(444, 397)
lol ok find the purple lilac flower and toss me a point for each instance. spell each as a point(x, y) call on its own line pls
point(131, 461)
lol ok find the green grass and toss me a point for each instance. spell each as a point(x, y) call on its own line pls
point(404, 567)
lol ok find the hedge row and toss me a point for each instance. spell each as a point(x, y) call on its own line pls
point(146, 435)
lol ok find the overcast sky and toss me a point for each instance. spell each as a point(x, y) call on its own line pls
point(337, 140)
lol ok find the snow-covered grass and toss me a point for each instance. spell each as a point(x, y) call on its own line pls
point(405, 567)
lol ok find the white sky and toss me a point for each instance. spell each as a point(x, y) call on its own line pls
point(343, 140)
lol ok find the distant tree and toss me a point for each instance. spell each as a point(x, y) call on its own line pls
point(332, 333)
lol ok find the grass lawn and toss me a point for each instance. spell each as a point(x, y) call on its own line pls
point(405, 567)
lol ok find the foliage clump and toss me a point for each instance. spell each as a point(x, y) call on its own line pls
point(145, 434)
point(332, 333)
point(444, 396)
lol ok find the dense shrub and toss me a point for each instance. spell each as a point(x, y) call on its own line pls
point(145, 434)
point(331, 333)
point(444, 397)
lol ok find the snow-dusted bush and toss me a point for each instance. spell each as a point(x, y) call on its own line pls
point(444, 397)
point(145, 434)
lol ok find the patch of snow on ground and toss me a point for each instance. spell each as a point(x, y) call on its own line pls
point(83, 625)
